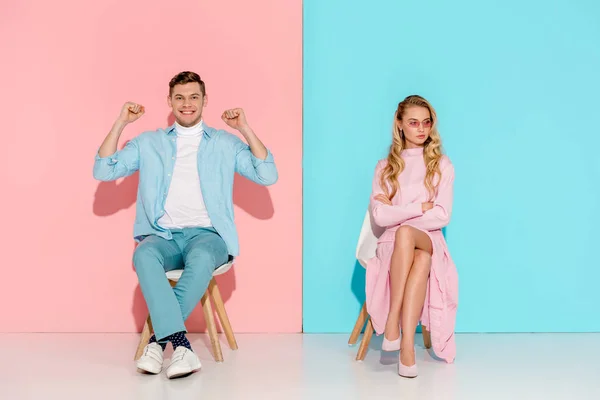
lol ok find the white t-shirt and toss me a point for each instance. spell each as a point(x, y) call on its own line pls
point(184, 206)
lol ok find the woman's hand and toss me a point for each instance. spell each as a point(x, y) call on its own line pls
point(383, 198)
point(426, 206)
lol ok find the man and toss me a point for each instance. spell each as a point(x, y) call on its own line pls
point(184, 211)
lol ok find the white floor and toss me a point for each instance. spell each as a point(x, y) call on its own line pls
point(288, 367)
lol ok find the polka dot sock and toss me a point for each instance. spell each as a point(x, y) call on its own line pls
point(162, 343)
point(179, 339)
point(176, 339)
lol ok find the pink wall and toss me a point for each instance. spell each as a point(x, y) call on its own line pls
point(67, 68)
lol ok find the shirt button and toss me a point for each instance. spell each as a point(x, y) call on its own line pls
point(168, 174)
point(172, 158)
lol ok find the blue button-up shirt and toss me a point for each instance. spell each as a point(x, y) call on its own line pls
point(220, 155)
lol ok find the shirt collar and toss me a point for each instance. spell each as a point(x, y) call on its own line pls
point(208, 131)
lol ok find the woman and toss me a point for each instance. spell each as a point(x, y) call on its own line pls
point(413, 278)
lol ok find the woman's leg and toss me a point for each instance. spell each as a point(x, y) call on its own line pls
point(412, 305)
point(407, 240)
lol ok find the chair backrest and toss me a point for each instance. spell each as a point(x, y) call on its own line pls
point(367, 241)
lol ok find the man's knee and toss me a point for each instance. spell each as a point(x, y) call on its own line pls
point(146, 254)
point(201, 258)
point(206, 253)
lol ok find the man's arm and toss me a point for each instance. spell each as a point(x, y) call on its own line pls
point(253, 160)
point(257, 147)
point(111, 164)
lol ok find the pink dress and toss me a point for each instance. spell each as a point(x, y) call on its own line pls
point(439, 310)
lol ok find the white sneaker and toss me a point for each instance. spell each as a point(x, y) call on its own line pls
point(183, 362)
point(151, 360)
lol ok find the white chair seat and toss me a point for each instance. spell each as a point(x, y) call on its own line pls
point(175, 274)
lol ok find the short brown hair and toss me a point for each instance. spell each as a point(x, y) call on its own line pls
point(186, 77)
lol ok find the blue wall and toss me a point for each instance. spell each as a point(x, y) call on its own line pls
point(517, 89)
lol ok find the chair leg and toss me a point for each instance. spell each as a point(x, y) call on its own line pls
point(364, 344)
point(360, 322)
point(426, 337)
point(222, 313)
point(211, 327)
point(144, 338)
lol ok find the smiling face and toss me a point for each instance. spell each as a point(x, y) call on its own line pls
point(187, 101)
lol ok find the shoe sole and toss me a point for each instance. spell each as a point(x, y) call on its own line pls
point(181, 375)
point(184, 373)
point(143, 370)
point(409, 377)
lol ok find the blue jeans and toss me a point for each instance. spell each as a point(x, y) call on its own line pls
point(198, 251)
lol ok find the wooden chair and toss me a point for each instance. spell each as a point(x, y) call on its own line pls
point(212, 291)
point(365, 250)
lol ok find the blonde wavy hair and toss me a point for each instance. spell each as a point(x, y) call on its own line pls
point(432, 151)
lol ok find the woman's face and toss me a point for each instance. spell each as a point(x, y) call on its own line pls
point(416, 125)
